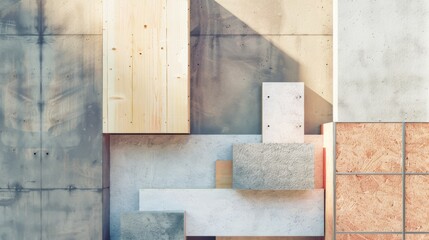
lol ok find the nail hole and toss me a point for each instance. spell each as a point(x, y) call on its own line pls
point(268, 126)
point(34, 154)
point(268, 96)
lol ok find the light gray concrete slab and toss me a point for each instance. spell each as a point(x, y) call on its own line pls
point(228, 212)
point(163, 161)
point(383, 61)
point(153, 225)
point(273, 166)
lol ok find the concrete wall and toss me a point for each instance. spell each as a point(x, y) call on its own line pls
point(383, 61)
point(51, 168)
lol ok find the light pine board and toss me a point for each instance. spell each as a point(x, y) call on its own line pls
point(227, 212)
point(223, 174)
point(147, 89)
point(282, 112)
point(328, 158)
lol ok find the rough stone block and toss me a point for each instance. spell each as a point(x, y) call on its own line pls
point(283, 112)
point(228, 212)
point(273, 166)
point(153, 225)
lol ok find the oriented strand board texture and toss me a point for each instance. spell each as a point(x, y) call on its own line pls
point(227, 212)
point(369, 237)
point(328, 158)
point(273, 166)
point(283, 112)
point(416, 203)
point(385, 79)
point(231, 60)
point(369, 147)
point(153, 225)
point(223, 174)
point(416, 236)
point(147, 56)
point(369, 203)
point(155, 161)
point(417, 147)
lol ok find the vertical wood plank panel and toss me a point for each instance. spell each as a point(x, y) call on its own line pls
point(223, 174)
point(178, 84)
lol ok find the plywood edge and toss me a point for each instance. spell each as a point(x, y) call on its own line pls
point(224, 174)
point(328, 146)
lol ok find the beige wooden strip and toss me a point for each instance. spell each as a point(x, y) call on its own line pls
point(178, 108)
point(223, 174)
point(105, 65)
point(328, 145)
point(149, 91)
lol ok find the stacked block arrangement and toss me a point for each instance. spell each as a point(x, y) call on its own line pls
point(378, 180)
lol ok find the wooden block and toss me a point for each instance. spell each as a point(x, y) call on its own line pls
point(417, 147)
point(368, 203)
point(144, 93)
point(75, 214)
point(369, 147)
point(369, 237)
point(282, 112)
point(328, 145)
point(153, 225)
point(272, 17)
point(416, 203)
point(241, 213)
point(273, 166)
point(223, 174)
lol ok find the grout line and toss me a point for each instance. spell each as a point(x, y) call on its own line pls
point(334, 129)
point(403, 181)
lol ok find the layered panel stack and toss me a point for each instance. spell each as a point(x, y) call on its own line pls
point(378, 181)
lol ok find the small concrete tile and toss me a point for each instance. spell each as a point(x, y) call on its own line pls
point(369, 203)
point(153, 225)
point(416, 203)
point(417, 147)
point(369, 147)
point(273, 166)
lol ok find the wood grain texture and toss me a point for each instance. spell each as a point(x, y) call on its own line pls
point(328, 158)
point(417, 147)
point(178, 70)
point(282, 112)
point(369, 203)
point(145, 93)
point(223, 174)
point(369, 147)
point(369, 237)
point(71, 130)
point(416, 203)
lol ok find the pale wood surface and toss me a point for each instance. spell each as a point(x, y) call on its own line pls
point(282, 112)
point(328, 145)
point(223, 174)
point(145, 93)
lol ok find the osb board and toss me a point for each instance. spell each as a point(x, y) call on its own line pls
point(147, 55)
point(369, 147)
point(224, 167)
point(369, 203)
point(328, 158)
point(223, 174)
point(219, 102)
point(417, 236)
point(417, 147)
point(282, 112)
point(59, 17)
point(72, 113)
point(225, 17)
point(19, 111)
point(269, 238)
point(369, 237)
point(416, 203)
point(75, 214)
point(20, 214)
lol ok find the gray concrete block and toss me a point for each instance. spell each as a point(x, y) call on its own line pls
point(153, 225)
point(384, 79)
point(273, 166)
point(228, 212)
point(157, 161)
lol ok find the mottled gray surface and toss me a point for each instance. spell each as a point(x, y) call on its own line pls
point(228, 212)
point(153, 225)
point(227, 72)
point(273, 166)
point(156, 161)
point(383, 61)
